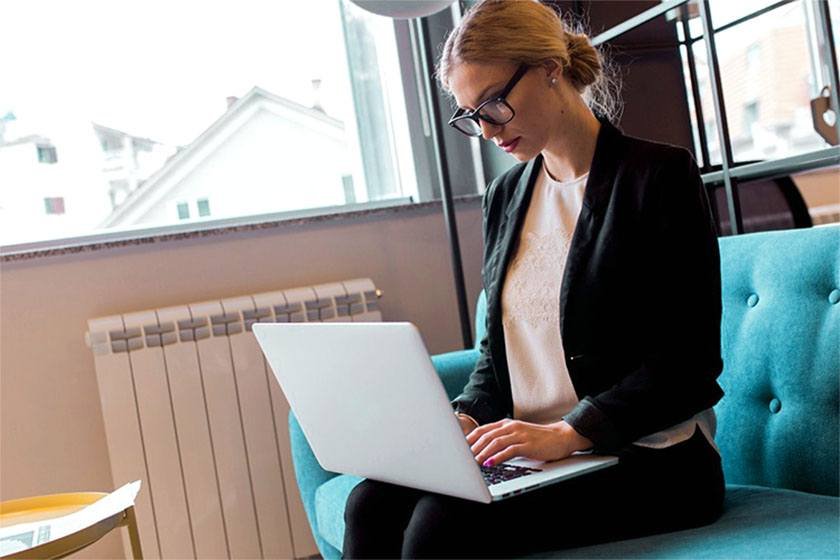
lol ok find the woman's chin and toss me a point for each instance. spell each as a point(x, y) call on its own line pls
point(523, 154)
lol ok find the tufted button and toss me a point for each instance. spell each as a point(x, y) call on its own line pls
point(752, 301)
point(775, 406)
point(834, 296)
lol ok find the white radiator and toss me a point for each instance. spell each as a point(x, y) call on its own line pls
point(192, 409)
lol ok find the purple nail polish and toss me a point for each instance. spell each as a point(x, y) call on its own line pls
point(488, 463)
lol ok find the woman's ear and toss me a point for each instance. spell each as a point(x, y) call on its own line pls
point(552, 68)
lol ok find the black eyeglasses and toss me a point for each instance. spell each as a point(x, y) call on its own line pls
point(496, 111)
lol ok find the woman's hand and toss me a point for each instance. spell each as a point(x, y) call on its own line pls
point(497, 442)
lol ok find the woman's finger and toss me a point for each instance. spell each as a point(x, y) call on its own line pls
point(481, 430)
point(507, 453)
point(488, 437)
point(495, 446)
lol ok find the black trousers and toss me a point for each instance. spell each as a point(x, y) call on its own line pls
point(650, 491)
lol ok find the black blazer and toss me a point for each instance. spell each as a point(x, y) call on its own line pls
point(640, 299)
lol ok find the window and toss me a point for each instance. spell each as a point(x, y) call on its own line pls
point(750, 116)
point(767, 77)
point(300, 105)
point(118, 191)
point(349, 192)
point(203, 207)
point(774, 61)
point(753, 58)
point(46, 154)
point(54, 205)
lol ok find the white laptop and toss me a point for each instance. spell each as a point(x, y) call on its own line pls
point(371, 404)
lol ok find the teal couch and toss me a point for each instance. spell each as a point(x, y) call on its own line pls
point(777, 425)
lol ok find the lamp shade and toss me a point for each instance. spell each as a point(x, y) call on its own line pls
point(403, 9)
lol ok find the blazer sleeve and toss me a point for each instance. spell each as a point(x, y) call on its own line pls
point(681, 349)
point(480, 397)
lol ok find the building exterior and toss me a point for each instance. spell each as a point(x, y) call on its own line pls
point(63, 184)
point(767, 92)
point(128, 161)
point(264, 154)
point(768, 68)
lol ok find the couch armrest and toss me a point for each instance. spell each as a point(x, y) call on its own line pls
point(454, 369)
point(309, 476)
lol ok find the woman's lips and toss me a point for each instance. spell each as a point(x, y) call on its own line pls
point(510, 146)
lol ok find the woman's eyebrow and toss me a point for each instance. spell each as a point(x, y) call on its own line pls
point(484, 96)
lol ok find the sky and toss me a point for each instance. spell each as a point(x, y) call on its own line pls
point(163, 69)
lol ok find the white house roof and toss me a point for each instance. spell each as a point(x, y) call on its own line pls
point(102, 130)
point(31, 139)
point(160, 183)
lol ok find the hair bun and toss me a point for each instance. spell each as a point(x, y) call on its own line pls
point(584, 62)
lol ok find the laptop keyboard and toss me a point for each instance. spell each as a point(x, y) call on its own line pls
point(503, 473)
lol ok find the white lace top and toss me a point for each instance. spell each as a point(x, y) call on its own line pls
point(542, 389)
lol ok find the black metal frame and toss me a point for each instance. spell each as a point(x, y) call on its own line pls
point(427, 61)
point(731, 173)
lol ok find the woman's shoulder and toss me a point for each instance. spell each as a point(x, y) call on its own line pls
point(656, 154)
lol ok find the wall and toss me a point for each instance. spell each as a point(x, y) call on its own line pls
point(52, 437)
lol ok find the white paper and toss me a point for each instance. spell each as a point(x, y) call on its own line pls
point(22, 536)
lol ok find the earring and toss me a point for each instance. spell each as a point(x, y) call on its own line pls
point(553, 81)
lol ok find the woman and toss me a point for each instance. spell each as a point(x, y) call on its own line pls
point(602, 276)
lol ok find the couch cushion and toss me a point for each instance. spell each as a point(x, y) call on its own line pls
point(454, 369)
point(757, 523)
point(330, 499)
point(779, 419)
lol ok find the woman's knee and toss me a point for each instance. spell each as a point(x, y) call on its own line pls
point(379, 503)
point(365, 500)
point(437, 529)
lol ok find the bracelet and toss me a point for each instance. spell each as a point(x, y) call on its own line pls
point(468, 417)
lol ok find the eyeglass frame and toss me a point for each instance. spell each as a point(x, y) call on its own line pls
point(474, 115)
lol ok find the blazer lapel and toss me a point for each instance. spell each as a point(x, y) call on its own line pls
point(599, 185)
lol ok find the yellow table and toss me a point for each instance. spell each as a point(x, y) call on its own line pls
point(40, 508)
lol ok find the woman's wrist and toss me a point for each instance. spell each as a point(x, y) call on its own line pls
point(468, 417)
point(574, 440)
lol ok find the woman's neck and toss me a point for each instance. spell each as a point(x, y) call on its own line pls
point(569, 154)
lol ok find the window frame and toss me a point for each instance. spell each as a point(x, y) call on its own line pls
point(732, 173)
point(425, 152)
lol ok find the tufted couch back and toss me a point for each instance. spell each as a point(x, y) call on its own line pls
point(778, 423)
point(780, 337)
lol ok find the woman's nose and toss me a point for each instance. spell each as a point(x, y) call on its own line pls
point(488, 130)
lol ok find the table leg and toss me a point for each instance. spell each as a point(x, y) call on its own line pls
point(133, 534)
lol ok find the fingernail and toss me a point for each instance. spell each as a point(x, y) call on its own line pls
point(488, 463)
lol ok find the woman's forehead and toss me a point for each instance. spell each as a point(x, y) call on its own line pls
point(472, 82)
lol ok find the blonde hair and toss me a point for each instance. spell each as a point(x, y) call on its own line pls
point(529, 32)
